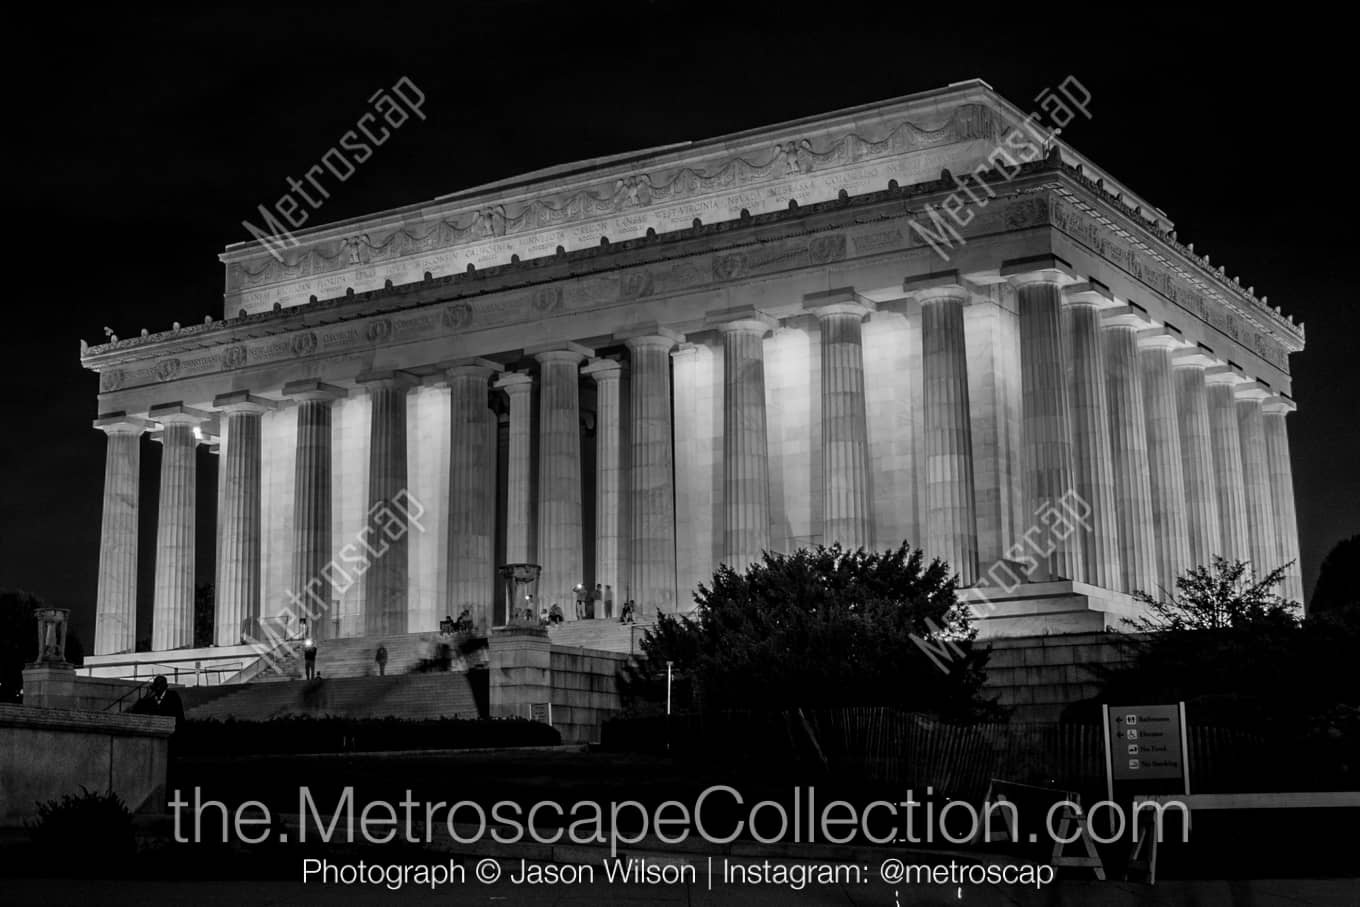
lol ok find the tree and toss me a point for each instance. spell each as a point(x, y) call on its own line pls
point(1338, 586)
point(1226, 595)
point(821, 627)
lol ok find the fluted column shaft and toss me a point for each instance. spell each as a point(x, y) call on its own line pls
point(847, 515)
point(172, 620)
point(1226, 444)
point(1171, 530)
point(237, 594)
point(309, 593)
point(746, 477)
point(1129, 447)
point(609, 489)
point(1282, 494)
point(115, 628)
point(951, 521)
point(1047, 427)
point(652, 487)
point(559, 479)
point(1262, 536)
point(1201, 497)
point(1091, 443)
point(519, 517)
point(387, 581)
point(472, 494)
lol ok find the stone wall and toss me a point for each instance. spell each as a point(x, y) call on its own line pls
point(585, 691)
point(48, 753)
point(1039, 676)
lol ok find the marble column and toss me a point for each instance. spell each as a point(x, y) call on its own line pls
point(847, 515)
point(1129, 447)
point(746, 477)
point(309, 594)
point(236, 596)
point(1273, 416)
point(115, 623)
point(651, 507)
point(560, 525)
point(1171, 530)
point(951, 521)
point(387, 580)
point(172, 619)
point(609, 491)
point(1226, 444)
point(1201, 495)
point(1046, 425)
point(1092, 456)
point(520, 536)
point(472, 493)
point(1262, 536)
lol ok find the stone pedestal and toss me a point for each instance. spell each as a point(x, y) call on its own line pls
point(746, 470)
point(521, 670)
point(115, 627)
point(236, 597)
point(1171, 531)
point(472, 493)
point(172, 620)
point(847, 515)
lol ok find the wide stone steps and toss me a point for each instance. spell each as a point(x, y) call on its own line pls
point(353, 657)
point(412, 696)
point(608, 635)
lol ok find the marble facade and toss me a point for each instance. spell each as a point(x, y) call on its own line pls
point(633, 371)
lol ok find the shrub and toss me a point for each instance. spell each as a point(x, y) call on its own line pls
point(88, 835)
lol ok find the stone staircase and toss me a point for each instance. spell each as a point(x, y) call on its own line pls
point(607, 635)
point(412, 696)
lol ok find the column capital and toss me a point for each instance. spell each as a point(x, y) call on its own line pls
point(1192, 358)
point(473, 367)
point(740, 319)
point(119, 422)
point(311, 389)
point(561, 351)
point(1278, 405)
point(388, 379)
point(603, 370)
point(936, 286)
point(1224, 374)
point(1047, 270)
point(650, 333)
point(514, 383)
point(173, 413)
point(243, 402)
point(838, 301)
point(1251, 391)
point(1160, 338)
point(1125, 316)
point(1091, 293)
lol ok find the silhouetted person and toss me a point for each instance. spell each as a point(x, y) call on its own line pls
point(555, 613)
point(380, 659)
point(464, 623)
point(627, 616)
point(161, 700)
point(309, 658)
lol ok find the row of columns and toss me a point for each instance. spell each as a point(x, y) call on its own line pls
point(1177, 457)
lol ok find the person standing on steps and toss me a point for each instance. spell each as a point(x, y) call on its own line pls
point(380, 658)
point(309, 657)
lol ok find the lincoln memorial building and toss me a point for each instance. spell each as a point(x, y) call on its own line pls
point(925, 319)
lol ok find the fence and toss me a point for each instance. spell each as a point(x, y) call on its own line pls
point(914, 751)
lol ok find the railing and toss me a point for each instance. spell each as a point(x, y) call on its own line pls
point(175, 673)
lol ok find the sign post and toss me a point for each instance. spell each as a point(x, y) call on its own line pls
point(1147, 743)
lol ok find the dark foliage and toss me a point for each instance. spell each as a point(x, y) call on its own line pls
point(1338, 582)
point(304, 734)
point(88, 835)
point(817, 628)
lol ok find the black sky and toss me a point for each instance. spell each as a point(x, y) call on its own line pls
point(138, 144)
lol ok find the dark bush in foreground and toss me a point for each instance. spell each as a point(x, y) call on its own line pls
point(88, 835)
point(304, 734)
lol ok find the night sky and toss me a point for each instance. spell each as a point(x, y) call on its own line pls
point(139, 145)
